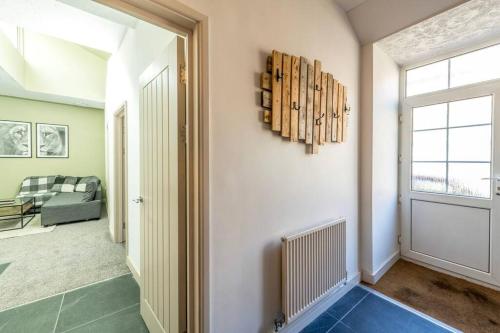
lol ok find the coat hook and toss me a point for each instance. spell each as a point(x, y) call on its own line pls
point(317, 88)
point(318, 121)
point(347, 109)
point(336, 115)
point(278, 75)
point(295, 106)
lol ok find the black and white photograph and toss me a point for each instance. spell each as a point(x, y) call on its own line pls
point(52, 140)
point(15, 139)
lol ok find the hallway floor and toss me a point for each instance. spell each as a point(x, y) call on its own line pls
point(456, 302)
point(362, 311)
point(110, 306)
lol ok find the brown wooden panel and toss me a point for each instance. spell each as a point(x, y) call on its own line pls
point(310, 105)
point(322, 110)
point(329, 109)
point(269, 64)
point(266, 81)
point(344, 118)
point(302, 98)
point(294, 98)
point(277, 65)
point(285, 97)
point(317, 105)
point(267, 116)
point(267, 99)
point(335, 108)
point(340, 113)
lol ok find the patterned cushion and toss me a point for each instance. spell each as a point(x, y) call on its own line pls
point(40, 197)
point(87, 184)
point(64, 184)
point(38, 184)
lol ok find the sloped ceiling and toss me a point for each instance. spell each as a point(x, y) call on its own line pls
point(373, 20)
point(469, 24)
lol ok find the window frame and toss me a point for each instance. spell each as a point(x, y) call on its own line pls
point(407, 67)
point(447, 161)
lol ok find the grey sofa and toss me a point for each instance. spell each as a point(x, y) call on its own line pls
point(62, 207)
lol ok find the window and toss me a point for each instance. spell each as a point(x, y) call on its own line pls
point(451, 147)
point(473, 67)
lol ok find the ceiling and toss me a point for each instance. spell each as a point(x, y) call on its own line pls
point(97, 27)
point(373, 20)
point(469, 24)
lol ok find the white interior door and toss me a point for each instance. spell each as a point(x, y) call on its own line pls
point(163, 234)
point(449, 195)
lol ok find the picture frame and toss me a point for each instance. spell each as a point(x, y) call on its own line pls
point(52, 141)
point(15, 139)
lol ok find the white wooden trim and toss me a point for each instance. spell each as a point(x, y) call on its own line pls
point(120, 186)
point(373, 277)
point(134, 270)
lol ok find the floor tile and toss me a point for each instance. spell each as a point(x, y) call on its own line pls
point(39, 317)
point(375, 315)
point(125, 321)
point(347, 302)
point(341, 328)
point(321, 324)
point(87, 304)
point(3, 267)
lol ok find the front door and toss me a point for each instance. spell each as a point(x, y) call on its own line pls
point(163, 232)
point(449, 181)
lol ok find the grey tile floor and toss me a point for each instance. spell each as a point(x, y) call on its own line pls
point(110, 306)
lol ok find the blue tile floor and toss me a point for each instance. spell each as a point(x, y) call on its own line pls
point(362, 311)
point(110, 306)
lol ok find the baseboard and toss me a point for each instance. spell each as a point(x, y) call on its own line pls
point(135, 272)
point(308, 317)
point(373, 278)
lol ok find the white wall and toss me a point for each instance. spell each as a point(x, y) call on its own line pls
point(262, 187)
point(379, 161)
point(139, 48)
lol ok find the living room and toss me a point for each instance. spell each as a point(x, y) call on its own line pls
point(69, 96)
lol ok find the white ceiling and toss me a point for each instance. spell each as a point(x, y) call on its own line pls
point(101, 29)
point(469, 24)
point(347, 5)
point(373, 20)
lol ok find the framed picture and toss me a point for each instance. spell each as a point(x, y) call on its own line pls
point(15, 139)
point(52, 141)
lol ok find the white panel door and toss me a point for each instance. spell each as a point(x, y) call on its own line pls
point(163, 251)
point(449, 196)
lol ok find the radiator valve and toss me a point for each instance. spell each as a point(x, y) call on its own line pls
point(279, 322)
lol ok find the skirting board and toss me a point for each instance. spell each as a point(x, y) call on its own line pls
point(308, 317)
point(373, 278)
point(135, 273)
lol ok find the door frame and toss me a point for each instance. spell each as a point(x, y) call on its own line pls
point(121, 174)
point(193, 26)
point(490, 279)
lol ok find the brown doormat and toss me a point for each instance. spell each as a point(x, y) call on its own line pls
point(456, 302)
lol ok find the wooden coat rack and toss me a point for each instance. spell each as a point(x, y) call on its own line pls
point(303, 103)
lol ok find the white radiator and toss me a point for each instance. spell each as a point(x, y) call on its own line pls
point(313, 264)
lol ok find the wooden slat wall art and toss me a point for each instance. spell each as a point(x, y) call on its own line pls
point(303, 103)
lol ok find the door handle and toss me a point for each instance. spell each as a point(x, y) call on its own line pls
point(491, 178)
point(138, 200)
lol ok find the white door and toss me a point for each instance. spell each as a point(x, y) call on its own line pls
point(163, 234)
point(449, 197)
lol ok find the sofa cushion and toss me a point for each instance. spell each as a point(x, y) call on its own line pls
point(37, 184)
point(65, 198)
point(64, 184)
point(40, 197)
point(88, 185)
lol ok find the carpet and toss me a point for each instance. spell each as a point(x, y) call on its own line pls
point(464, 305)
point(33, 227)
point(42, 265)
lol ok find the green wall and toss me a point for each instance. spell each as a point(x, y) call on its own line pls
point(86, 142)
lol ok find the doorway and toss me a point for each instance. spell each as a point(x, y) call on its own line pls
point(449, 185)
point(121, 175)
